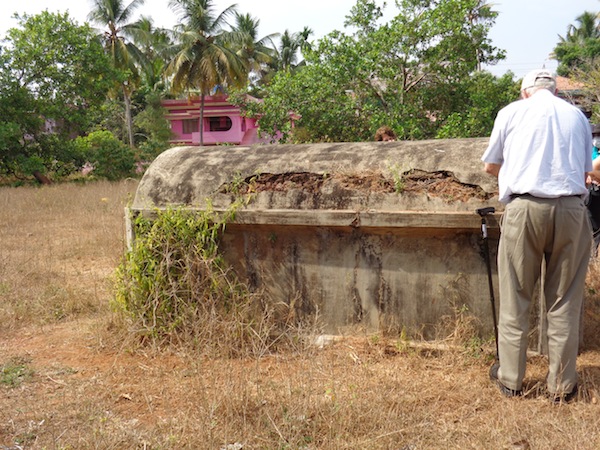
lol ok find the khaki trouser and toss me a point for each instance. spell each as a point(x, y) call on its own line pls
point(559, 231)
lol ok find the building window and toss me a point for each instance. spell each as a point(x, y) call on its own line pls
point(190, 126)
point(222, 123)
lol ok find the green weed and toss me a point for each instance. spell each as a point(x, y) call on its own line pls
point(14, 372)
point(398, 178)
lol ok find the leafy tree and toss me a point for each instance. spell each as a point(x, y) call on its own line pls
point(483, 95)
point(405, 73)
point(202, 60)
point(481, 12)
point(154, 127)
point(152, 130)
point(18, 117)
point(580, 46)
point(319, 96)
point(53, 79)
point(153, 43)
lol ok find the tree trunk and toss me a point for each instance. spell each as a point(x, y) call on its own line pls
point(41, 178)
point(128, 119)
point(202, 119)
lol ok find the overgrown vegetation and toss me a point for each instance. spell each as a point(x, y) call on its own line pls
point(174, 287)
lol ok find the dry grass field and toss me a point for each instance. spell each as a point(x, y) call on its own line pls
point(71, 377)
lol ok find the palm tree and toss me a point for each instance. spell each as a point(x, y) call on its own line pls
point(481, 13)
point(153, 43)
point(257, 53)
point(201, 59)
point(287, 53)
point(125, 56)
point(580, 46)
point(588, 28)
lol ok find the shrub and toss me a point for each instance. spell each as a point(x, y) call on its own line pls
point(111, 158)
point(174, 287)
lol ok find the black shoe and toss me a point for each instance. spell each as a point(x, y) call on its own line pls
point(507, 392)
point(557, 399)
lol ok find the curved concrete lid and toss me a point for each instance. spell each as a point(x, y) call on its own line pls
point(190, 175)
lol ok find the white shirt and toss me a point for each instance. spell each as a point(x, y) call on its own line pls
point(544, 147)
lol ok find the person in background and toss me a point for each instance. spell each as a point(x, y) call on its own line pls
point(593, 201)
point(541, 150)
point(385, 133)
point(596, 144)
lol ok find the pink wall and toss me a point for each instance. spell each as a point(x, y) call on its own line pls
point(216, 109)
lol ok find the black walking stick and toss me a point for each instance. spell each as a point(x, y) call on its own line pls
point(483, 212)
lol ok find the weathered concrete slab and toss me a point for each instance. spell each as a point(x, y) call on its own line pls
point(351, 277)
point(190, 175)
point(380, 260)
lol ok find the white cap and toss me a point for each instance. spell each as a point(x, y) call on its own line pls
point(530, 80)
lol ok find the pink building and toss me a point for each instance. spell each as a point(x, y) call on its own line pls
point(223, 122)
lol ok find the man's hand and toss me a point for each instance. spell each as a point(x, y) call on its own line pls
point(494, 169)
point(594, 176)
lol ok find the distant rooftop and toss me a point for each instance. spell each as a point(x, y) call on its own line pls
point(566, 84)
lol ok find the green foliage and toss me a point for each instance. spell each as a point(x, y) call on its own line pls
point(405, 73)
point(10, 135)
point(483, 95)
point(175, 286)
point(53, 80)
point(203, 59)
point(155, 283)
point(111, 117)
point(32, 164)
point(110, 158)
point(580, 46)
point(62, 65)
point(398, 174)
point(255, 52)
point(317, 94)
point(17, 119)
point(128, 45)
point(286, 58)
point(154, 127)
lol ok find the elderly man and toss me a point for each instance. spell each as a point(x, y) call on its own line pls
point(540, 150)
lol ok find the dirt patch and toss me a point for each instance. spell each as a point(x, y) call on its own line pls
point(437, 184)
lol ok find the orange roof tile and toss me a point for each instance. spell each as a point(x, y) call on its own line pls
point(566, 84)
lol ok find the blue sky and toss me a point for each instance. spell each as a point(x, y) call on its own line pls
point(527, 29)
